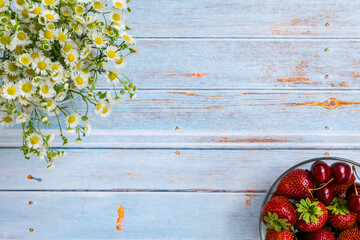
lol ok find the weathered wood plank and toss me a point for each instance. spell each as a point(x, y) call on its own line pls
point(234, 64)
point(80, 215)
point(246, 18)
point(156, 170)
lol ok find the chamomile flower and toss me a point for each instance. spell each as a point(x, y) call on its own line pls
point(105, 110)
point(72, 120)
point(66, 11)
point(28, 72)
point(112, 53)
point(127, 38)
point(80, 9)
point(120, 4)
point(120, 62)
point(99, 106)
point(99, 39)
point(21, 38)
point(36, 81)
point(23, 118)
point(24, 100)
point(6, 42)
point(26, 88)
point(68, 46)
point(10, 78)
point(112, 77)
point(60, 96)
point(11, 68)
point(50, 3)
point(50, 15)
point(62, 35)
point(25, 59)
point(42, 65)
point(36, 53)
point(98, 5)
point(4, 5)
point(47, 35)
point(87, 129)
point(116, 15)
point(7, 120)
point(35, 10)
point(81, 80)
point(46, 91)
point(85, 52)
point(34, 141)
point(50, 104)
point(10, 91)
point(71, 57)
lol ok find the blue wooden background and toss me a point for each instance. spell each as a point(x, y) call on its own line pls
point(232, 93)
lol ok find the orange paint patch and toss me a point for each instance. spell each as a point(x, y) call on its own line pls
point(213, 107)
point(343, 84)
point(121, 212)
point(355, 74)
point(187, 94)
point(253, 140)
point(297, 80)
point(198, 75)
point(248, 201)
point(331, 104)
point(253, 93)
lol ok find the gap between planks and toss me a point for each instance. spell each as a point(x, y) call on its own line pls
point(128, 190)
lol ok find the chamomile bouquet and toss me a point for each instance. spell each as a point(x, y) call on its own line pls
point(53, 51)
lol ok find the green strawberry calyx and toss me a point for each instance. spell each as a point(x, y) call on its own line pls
point(276, 223)
point(338, 206)
point(309, 211)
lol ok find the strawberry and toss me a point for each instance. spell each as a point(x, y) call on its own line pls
point(321, 234)
point(279, 214)
point(311, 215)
point(358, 218)
point(339, 215)
point(295, 185)
point(340, 189)
point(351, 234)
point(271, 234)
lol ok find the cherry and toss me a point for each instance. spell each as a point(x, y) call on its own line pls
point(354, 202)
point(326, 194)
point(320, 172)
point(340, 172)
point(351, 189)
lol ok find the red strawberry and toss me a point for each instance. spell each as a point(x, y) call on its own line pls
point(311, 215)
point(340, 189)
point(339, 215)
point(271, 234)
point(358, 218)
point(321, 234)
point(294, 185)
point(351, 234)
point(279, 214)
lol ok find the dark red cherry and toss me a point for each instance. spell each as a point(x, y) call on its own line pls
point(320, 172)
point(340, 172)
point(325, 194)
point(354, 202)
point(351, 189)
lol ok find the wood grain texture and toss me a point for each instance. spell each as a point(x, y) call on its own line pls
point(156, 170)
point(78, 215)
point(244, 64)
point(245, 18)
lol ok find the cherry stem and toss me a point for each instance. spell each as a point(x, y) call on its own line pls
point(315, 189)
point(354, 170)
point(356, 191)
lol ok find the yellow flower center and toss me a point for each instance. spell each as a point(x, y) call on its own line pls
point(34, 55)
point(45, 89)
point(112, 76)
point(118, 4)
point(91, 26)
point(49, 103)
point(26, 87)
point(78, 65)
point(116, 17)
point(72, 119)
point(37, 11)
point(111, 54)
point(97, 5)
point(55, 67)
point(5, 40)
point(25, 60)
point(13, 67)
point(50, 26)
point(34, 140)
point(20, 2)
point(11, 91)
point(7, 119)
point(105, 110)
point(25, 13)
point(71, 57)
point(98, 40)
point(11, 78)
point(67, 47)
point(127, 38)
point(50, 17)
point(21, 36)
point(48, 35)
point(23, 98)
point(62, 37)
point(98, 106)
point(119, 61)
point(37, 79)
point(79, 9)
point(49, 2)
point(18, 50)
point(29, 71)
point(79, 80)
point(42, 65)
point(2, 3)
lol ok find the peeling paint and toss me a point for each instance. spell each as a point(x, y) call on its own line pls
point(188, 94)
point(198, 75)
point(248, 201)
point(121, 213)
point(355, 74)
point(332, 103)
point(253, 140)
point(265, 93)
point(343, 84)
point(294, 80)
point(214, 107)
